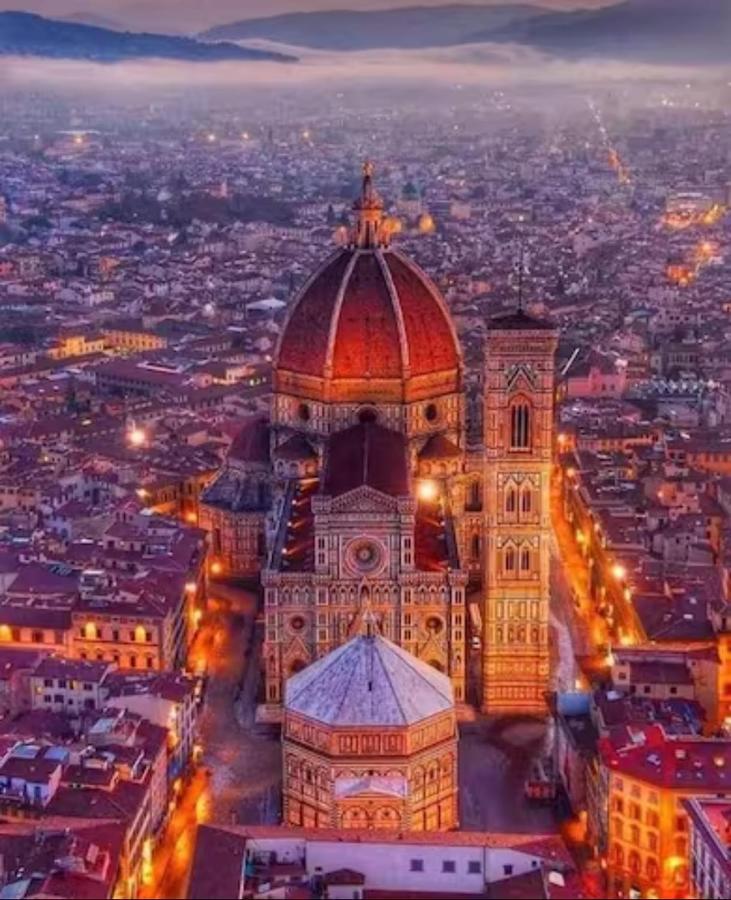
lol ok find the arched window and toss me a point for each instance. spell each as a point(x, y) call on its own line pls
point(510, 500)
point(526, 500)
point(520, 426)
point(510, 559)
point(525, 560)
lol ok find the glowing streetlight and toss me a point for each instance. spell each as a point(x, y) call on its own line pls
point(142, 493)
point(136, 437)
point(619, 571)
point(211, 137)
point(427, 491)
point(216, 567)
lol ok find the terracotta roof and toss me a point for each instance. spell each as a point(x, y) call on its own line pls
point(438, 446)
point(217, 864)
point(370, 454)
point(296, 447)
point(369, 314)
point(251, 444)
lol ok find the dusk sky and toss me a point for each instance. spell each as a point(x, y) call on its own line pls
point(193, 15)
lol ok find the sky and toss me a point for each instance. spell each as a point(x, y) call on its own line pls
point(193, 15)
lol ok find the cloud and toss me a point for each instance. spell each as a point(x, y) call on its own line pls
point(472, 64)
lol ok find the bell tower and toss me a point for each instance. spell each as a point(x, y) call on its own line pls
point(518, 435)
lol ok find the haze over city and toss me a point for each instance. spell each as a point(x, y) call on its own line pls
point(365, 449)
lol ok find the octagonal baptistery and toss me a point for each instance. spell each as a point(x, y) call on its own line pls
point(370, 741)
point(368, 336)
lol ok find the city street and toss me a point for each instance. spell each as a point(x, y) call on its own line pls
point(240, 778)
point(243, 758)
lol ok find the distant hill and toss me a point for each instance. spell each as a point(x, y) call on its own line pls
point(410, 27)
point(90, 18)
point(27, 34)
point(658, 31)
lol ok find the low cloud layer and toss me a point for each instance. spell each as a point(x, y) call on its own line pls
point(474, 64)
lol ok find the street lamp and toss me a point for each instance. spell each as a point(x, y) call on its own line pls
point(427, 491)
point(136, 437)
point(619, 572)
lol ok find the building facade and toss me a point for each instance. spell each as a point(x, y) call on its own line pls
point(377, 500)
point(370, 741)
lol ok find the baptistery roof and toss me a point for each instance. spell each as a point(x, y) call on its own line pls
point(369, 325)
point(369, 681)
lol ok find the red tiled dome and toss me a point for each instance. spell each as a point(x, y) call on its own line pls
point(368, 326)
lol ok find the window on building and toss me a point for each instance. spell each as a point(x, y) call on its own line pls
point(520, 426)
point(37, 637)
point(510, 500)
point(526, 500)
point(417, 865)
point(474, 867)
point(525, 560)
point(449, 865)
point(510, 559)
point(507, 870)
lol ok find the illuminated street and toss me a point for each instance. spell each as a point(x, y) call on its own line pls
point(239, 779)
point(243, 759)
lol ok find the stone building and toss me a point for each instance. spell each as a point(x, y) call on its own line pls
point(370, 741)
point(234, 506)
point(385, 497)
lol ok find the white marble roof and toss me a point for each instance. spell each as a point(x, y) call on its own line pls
point(369, 681)
point(390, 785)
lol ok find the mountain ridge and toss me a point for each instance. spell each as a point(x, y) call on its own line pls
point(656, 31)
point(402, 27)
point(29, 34)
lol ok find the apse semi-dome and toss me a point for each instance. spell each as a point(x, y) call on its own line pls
point(369, 325)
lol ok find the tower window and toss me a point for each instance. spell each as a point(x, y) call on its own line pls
point(430, 412)
point(520, 426)
point(525, 560)
point(526, 501)
point(510, 500)
point(303, 411)
point(510, 560)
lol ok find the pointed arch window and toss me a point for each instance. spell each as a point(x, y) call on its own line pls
point(510, 500)
point(526, 500)
point(525, 559)
point(520, 426)
point(510, 559)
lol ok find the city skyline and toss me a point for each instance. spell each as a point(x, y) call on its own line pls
point(365, 458)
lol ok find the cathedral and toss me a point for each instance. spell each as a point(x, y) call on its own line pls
point(360, 495)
